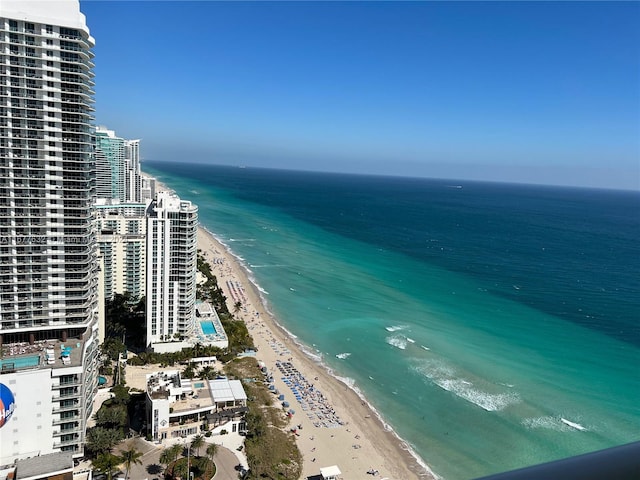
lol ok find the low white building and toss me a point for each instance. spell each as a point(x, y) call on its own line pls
point(179, 407)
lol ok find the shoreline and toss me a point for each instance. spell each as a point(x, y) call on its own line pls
point(364, 442)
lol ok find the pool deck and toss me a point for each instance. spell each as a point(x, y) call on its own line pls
point(206, 313)
point(17, 353)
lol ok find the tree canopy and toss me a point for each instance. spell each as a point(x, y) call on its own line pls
point(106, 463)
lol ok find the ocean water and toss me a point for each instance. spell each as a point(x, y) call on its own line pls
point(492, 326)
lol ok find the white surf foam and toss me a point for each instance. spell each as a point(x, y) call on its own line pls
point(395, 328)
point(312, 354)
point(397, 341)
point(410, 340)
point(344, 355)
point(575, 425)
point(550, 422)
point(269, 265)
point(447, 378)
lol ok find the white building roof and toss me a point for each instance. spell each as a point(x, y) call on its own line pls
point(330, 472)
point(223, 390)
point(204, 309)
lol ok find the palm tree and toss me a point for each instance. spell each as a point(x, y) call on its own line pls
point(180, 470)
point(197, 443)
point(175, 450)
point(189, 371)
point(237, 307)
point(212, 449)
point(130, 457)
point(207, 372)
point(166, 457)
point(106, 463)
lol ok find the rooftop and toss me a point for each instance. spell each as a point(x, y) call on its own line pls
point(44, 465)
point(52, 353)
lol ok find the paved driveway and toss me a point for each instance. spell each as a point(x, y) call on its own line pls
point(151, 468)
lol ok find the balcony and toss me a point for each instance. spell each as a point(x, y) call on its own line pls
point(61, 396)
point(60, 421)
point(64, 443)
point(68, 383)
point(67, 408)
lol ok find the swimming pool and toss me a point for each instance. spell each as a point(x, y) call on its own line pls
point(198, 385)
point(20, 362)
point(207, 327)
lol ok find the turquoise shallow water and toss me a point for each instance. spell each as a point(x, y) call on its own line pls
point(493, 327)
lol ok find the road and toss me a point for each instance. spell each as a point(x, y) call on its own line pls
point(151, 468)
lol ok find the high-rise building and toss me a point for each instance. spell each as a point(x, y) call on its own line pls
point(110, 165)
point(122, 243)
point(49, 313)
point(147, 189)
point(133, 177)
point(171, 270)
point(118, 167)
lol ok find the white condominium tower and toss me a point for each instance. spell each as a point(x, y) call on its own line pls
point(122, 244)
point(171, 268)
point(49, 315)
point(133, 177)
point(117, 167)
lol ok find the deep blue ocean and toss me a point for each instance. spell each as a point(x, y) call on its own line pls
point(493, 326)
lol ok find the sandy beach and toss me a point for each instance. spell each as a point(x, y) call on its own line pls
point(343, 430)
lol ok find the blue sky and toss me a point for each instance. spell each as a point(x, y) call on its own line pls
point(541, 92)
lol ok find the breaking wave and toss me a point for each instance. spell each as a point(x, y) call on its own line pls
point(447, 378)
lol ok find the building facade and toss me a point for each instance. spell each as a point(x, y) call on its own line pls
point(117, 167)
point(171, 269)
point(147, 189)
point(49, 313)
point(177, 407)
point(133, 176)
point(122, 243)
point(110, 165)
